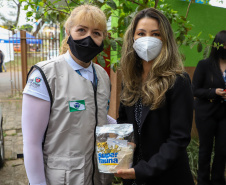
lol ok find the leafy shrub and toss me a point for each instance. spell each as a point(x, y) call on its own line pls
point(193, 155)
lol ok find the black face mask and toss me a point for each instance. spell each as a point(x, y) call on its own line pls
point(85, 49)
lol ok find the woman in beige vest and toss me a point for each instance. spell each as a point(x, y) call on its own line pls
point(64, 100)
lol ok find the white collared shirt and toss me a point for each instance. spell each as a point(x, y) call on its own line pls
point(40, 90)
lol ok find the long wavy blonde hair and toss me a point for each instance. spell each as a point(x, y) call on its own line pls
point(164, 69)
point(88, 13)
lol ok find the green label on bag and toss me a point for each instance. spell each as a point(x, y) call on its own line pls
point(77, 105)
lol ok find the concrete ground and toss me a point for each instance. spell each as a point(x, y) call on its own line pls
point(13, 173)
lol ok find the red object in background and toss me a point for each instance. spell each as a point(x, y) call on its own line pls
point(225, 90)
point(16, 48)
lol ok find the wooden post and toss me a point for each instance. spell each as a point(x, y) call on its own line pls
point(116, 86)
point(194, 132)
point(23, 57)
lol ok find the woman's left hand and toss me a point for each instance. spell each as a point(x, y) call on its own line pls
point(126, 174)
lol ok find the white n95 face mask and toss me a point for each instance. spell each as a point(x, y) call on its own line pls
point(147, 48)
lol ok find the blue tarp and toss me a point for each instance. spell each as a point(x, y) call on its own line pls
point(4, 41)
point(29, 38)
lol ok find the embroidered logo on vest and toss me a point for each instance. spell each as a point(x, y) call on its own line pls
point(77, 105)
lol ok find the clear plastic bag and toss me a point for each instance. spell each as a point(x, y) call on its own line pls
point(114, 147)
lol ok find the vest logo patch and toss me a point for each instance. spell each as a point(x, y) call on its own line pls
point(34, 82)
point(77, 105)
point(38, 80)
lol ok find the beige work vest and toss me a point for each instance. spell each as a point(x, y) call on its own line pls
point(70, 137)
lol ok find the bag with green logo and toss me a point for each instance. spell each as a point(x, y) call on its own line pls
point(114, 147)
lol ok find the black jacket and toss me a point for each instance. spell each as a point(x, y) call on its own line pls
point(165, 134)
point(207, 77)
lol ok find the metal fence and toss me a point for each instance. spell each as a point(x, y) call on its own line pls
point(29, 50)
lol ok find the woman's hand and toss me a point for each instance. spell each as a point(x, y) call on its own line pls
point(221, 92)
point(133, 145)
point(126, 173)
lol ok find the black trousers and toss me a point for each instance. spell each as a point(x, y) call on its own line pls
point(212, 136)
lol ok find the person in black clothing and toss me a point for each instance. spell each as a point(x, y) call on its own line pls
point(1, 60)
point(157, 99)
point(209, 84)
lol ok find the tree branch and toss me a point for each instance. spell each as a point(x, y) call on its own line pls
point(75, 2)
point(50, 8)
point(110, 37)
point(145, 1)
point(15, 2)
point(18, 14)
point(156, 3)
point(66, 3)
point(135, 2)
point(38, 27)
point(188, 10)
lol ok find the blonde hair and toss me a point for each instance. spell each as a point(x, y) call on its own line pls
point(163, 72)
point(90, 14)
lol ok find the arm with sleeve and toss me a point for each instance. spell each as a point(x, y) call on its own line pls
point(200, 75)
point(111, 120)
point(180, 128)
point(35, 117)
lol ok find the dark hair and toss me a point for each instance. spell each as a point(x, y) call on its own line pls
point(216, 53)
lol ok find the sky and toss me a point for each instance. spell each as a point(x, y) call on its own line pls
point(217, 3)
point(22, 19)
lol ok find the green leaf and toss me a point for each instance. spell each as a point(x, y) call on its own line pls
point(101, 61)
point(199, 34)
point(206, 52)
point(182, 37)
point(126, 21)
point(108, 12)
point(113, 44)
point(107, 41)
point(211, 36)
point(199, 47)
point(104, 54)
point(114, 63)
point(61, 17)
point(192, 44)
point(54, 2)
point(126, 9)
point(25, 7)
point(41, 4)
point(29, 14)
point(112, 4)
point(139, 8)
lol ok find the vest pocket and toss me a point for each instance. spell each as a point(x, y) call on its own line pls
point(65, 170)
